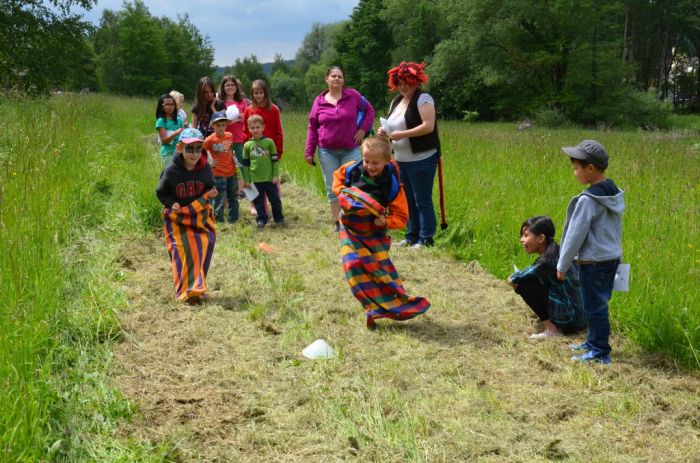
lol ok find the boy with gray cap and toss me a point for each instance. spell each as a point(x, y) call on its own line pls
point(592, 238)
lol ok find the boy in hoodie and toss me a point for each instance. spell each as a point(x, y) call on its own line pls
point(593, 236)
point(185, 187)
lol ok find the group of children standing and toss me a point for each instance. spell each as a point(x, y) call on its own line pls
point(568, 286)
point(232, 143)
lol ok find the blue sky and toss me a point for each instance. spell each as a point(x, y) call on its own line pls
point(239, 28)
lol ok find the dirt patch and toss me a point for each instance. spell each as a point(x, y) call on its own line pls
point(225, 381)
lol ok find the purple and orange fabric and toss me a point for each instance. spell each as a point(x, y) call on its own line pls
point(190, 237)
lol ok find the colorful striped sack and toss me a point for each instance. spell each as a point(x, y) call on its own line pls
point(190, 237)
point(371, 275)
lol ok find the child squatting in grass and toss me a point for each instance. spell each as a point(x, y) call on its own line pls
point(556, 303)
point(592, 237)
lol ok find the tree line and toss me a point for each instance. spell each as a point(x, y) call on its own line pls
point(613, 63)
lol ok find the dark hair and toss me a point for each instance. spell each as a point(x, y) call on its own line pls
point(268, 101)
point(160, 112)
point(543, 225)
point(331, 68)
point(580, 161)
point(222, 93)
point(200, 106)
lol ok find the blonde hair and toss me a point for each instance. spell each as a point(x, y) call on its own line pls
point(377, 144)
point(256, 118)
point(178, 97)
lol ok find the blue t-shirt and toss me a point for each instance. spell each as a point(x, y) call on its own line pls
point(168, 149)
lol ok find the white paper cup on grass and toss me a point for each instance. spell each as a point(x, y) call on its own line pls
point(318, 349)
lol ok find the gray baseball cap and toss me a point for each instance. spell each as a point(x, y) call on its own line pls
point(589, 151)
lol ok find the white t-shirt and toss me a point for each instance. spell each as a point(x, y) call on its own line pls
point(397, 121)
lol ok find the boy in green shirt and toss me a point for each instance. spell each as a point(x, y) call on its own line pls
point(261, 167)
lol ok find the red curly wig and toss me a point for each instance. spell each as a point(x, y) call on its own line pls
point(410, 73)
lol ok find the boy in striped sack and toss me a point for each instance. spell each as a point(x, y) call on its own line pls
point(372, 200)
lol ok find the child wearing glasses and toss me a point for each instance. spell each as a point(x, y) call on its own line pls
point(185, 187)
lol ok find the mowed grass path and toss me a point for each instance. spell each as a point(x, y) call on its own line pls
point(225, 381)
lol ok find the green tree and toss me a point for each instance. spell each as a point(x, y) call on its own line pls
point(318, 46)
point(248, 69)
point(189, 54)
point(286, 87)
point(364, 50)
point(138, 54)
point(279, 64)
point(42, 47)
point(314, 81)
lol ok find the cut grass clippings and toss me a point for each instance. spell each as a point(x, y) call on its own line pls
point(225, 381)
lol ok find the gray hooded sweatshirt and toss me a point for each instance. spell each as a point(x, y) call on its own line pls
point(593, 228)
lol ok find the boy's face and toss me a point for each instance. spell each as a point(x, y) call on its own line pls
point(583, 174)
point(256, 129)
point(191, 153)
point(374, 162)
point(220, 128)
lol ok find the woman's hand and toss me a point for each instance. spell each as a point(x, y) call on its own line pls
point(359, 136)
point(380, 221)
point(561, 276)
point(310, 161)
point(176, 208)
point(397, 135)
point(213, 193)
point(512, 285)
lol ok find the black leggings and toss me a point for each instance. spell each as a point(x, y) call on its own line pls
point(536, 296)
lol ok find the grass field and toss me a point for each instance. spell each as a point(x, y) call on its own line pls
point(497, 176)
point(77, 177)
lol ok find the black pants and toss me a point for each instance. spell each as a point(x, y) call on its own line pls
point(269, 189)
point(536, 296)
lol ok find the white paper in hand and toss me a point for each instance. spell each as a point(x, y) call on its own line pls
point(232, 113)
point(385, 125)
point(622, 278)
point(251, 192)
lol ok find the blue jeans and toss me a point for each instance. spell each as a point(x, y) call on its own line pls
point(270, 190)
point(418, 178)
point(331, 160)
point(596, 289)
point(227, 188)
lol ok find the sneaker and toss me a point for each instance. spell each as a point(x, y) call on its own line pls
point(579, 346)
point(280, 223)
point(546, 335)
point(260, 224)
point(406, 243)
point(590, 357)
point(427, 243)
point(337, 226)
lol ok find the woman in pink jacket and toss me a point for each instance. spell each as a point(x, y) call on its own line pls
point(337, 128)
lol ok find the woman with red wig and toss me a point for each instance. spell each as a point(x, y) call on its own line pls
point(412, 128)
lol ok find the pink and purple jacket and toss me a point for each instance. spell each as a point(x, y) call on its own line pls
point(334, 126)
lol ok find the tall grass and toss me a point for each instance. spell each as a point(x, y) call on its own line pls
point(74, 174)
point(497, 176)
